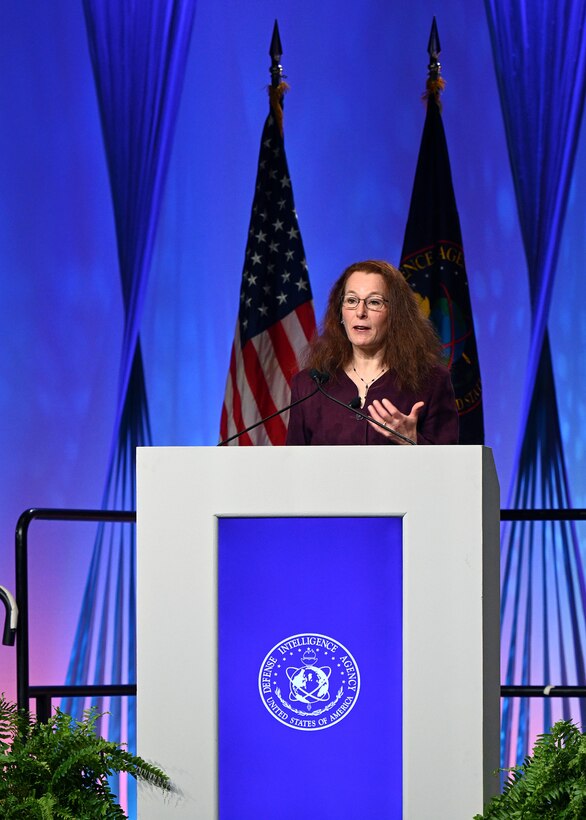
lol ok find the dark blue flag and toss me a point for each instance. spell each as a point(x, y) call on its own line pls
point(432, 261)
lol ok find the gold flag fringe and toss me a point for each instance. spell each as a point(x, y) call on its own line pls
point(276, 95)
point(433, 88)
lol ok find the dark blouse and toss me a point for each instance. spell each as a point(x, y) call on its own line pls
point(320, 421)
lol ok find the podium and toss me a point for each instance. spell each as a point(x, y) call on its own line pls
point(318, 631)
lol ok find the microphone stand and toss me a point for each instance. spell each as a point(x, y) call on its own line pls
point(268, 418)
point(320, 378)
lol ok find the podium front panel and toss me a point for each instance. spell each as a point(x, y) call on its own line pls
point(310, 667)
point(202, 669)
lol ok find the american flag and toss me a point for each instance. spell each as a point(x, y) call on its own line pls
point(276, 319)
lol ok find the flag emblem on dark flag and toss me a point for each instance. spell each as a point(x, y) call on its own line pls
point(276, 319)
point(432, 261)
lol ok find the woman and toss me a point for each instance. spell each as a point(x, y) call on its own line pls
point(379, 354)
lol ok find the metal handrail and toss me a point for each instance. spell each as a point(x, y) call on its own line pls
point(545, 690)
point(23, 688)
point(44, 694)
point(578, 514)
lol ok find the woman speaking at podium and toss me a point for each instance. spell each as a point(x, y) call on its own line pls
point(375, 370)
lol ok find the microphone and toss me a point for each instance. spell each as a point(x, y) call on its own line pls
point(355, 403)
point(322, 378)
point(319, 377)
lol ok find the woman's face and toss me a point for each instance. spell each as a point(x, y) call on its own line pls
point(366, 329)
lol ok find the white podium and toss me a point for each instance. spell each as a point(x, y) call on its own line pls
point(204, 582)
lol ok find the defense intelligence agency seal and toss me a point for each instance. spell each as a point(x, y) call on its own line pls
point(309, 682)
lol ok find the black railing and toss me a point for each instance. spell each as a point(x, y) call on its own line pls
point(578, 514)
point(45, 694)
point(546, 690)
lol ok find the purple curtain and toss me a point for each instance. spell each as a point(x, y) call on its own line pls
point(540, 57)
point(138, 50)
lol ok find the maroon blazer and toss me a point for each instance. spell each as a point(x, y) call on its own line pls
point(320, 421)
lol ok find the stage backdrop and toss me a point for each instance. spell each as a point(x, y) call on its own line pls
point(353, 122)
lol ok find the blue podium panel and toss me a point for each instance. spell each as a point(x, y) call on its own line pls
point(310, 668)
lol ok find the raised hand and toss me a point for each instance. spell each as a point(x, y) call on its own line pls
point(386, 413)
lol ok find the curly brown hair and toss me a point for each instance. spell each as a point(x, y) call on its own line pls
point(412, 347)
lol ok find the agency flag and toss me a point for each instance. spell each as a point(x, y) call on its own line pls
point(432, 261)
point(276, 318)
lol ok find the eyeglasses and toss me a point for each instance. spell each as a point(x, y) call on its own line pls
point(375, 303)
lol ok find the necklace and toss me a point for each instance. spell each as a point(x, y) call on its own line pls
point(372, 381)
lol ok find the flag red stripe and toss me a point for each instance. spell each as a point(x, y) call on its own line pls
point(306, 316)
point(258, 384)
point(283, 350)
point(237, 414)
point(227, 412)
point(224, 423)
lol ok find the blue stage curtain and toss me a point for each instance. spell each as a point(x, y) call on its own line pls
point(540, 57)
point(139, 51)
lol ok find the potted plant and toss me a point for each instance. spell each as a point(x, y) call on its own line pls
point(551, 783)
point(60, 769)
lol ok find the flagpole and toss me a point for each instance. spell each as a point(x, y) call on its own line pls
point(278, 86)
point(434, 48)
point(275, 53)
point(276, 320)
point(435, 82)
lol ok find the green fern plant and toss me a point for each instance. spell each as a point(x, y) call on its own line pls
point(59, 770)
point(551, 783)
